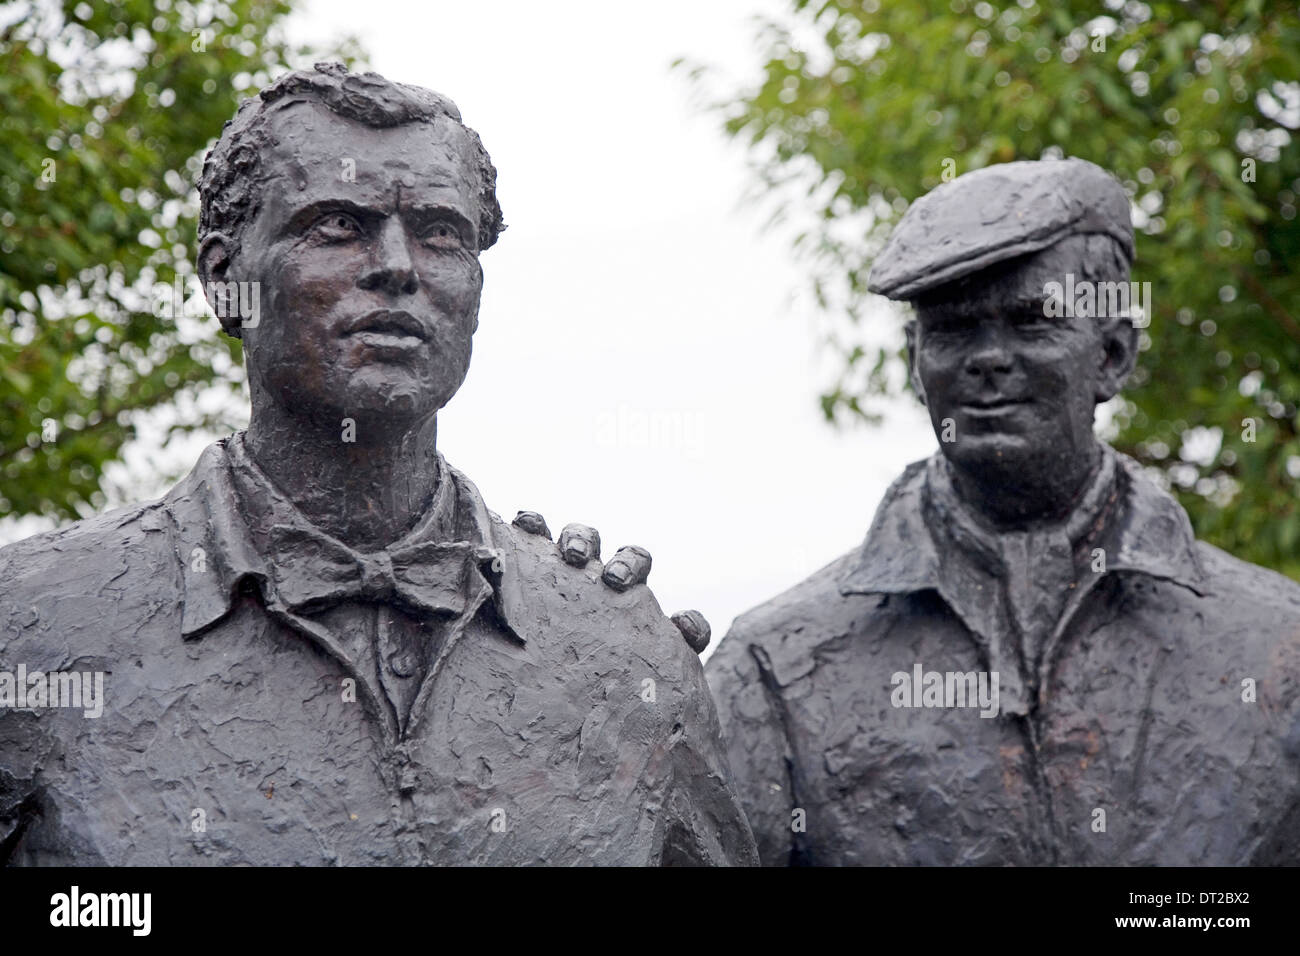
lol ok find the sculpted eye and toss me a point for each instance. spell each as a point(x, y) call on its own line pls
point(337, 227)
point(948, 324)
point(1032, 319)
point(443, 235)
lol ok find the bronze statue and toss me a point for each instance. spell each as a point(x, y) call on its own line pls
point(321, 647)
point(1031, 660)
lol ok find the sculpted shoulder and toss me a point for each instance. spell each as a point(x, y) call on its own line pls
point(815, 610)
point(791, 625)
point(78, 585)
point(84, 553)
point(601, 632)
point(1234, 579)
point(583, 614)
point(1253, 612)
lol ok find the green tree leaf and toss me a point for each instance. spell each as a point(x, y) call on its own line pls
point(101, 151)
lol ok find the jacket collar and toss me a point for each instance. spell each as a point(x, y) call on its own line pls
point(1147, 532)
point(218, 548)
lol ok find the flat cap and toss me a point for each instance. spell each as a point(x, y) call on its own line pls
point(996, 213)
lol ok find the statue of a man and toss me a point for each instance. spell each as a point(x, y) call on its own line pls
point(1031, 660)
point(321, 647)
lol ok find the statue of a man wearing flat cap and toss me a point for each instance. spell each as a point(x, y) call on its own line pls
point(321, 647)
point(1031, 659)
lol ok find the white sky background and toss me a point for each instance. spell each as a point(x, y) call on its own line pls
point(646, 360)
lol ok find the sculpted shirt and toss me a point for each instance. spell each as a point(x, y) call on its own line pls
point(1154, 718)
point(272, 696)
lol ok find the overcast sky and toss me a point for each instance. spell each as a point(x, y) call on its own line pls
point(644, 361)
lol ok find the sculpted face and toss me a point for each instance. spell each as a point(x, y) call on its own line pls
point(369, 288)
point(1018, 388)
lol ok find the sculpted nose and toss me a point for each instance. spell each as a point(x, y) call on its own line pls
point(988, 361)
point(989, 356)
point(391, 268)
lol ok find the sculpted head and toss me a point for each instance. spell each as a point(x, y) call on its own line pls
point(359, 208)
point(1011, 379)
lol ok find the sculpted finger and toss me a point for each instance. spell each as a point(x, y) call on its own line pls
point(579, 543)
point(694, 628)
point(628, 567)
point(533, 523)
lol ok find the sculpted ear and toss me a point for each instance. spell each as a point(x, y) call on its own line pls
point(910, 330)
point(1119, 342)
point(216, 253)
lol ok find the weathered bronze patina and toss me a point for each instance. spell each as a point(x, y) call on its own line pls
point(321, 647)
point(1031, 660)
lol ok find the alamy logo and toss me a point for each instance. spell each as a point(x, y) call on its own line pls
point(102, 909)
point(83, 689)
point(1093, 300)
point(923, 688)
point(229, 300)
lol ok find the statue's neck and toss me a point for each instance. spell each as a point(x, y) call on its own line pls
point(1025, 499)
point(366, 493)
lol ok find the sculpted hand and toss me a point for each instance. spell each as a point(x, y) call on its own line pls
point(694, 628)
point(579, 544)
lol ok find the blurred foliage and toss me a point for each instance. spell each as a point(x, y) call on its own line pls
point(106, 111)
point(1193, 106)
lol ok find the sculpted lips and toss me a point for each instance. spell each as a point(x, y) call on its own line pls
point(994, 405)
point(389, 329)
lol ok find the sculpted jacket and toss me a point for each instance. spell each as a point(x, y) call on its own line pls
point(1149, 692)
point(272, 697)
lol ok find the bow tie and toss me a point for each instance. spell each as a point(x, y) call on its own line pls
point(312, 571)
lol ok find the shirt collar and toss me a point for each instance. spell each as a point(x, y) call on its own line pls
point(262, 505)
point(219, 520)
point(1146, 531)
